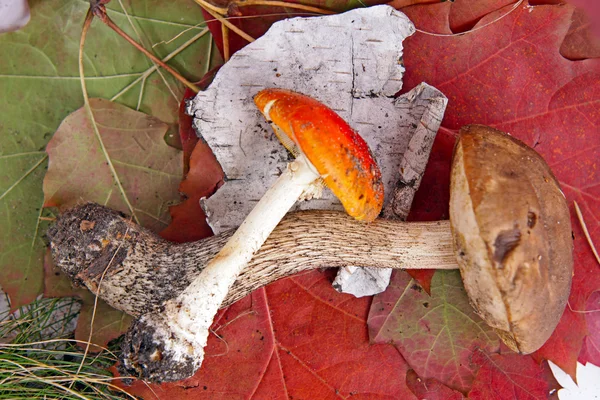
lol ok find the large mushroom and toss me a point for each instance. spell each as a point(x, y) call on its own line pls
point(512, 235)
point(169, 345)
point(509, 229)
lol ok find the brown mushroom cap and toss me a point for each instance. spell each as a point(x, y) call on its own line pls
point(512, 235)
point(339, 154)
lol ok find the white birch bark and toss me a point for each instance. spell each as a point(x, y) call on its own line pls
point(353, 63)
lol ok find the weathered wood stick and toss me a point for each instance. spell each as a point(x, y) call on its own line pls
point(139, 271)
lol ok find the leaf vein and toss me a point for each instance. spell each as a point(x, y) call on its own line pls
point(23, 177)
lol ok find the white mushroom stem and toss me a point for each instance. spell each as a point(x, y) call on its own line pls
point(183, 326)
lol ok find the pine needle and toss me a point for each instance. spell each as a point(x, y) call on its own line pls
point(42, 359)
point(585, 231)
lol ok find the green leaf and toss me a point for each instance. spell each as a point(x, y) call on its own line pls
point(435, 334)
point(39, 82)
point(118, 159)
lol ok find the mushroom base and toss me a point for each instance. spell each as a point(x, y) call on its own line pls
point(145, 354)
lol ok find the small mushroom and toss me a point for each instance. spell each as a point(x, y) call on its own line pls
point(509, 230)
point(170, 345)
point(333, 150)
point(512, 234)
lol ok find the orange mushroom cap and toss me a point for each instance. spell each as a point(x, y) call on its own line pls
point(340, 155)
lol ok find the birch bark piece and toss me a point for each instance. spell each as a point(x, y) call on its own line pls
point(353, 63)
point(424, 106)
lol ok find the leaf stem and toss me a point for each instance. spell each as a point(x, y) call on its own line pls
point(225, 37)
point(585, 231)
point(87, 22)
point(269, 3)
point(515, 6)
point(101, 14)
point(154, 67)
point(86, 100)
point(225, 22)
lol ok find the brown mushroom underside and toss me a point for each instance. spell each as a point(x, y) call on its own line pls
point(512, 234)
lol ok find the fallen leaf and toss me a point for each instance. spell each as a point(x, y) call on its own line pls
point(435, 334)
point(591, 347)
point(202, 177)
point(507, 376)
point(565, 344)
point(296, 338)
point(448, 17)
point(39, 82)
point(125, 164)
point(430, 389)
point(460, 16)
point(465, 14)
point(580, 42)
point(592, 9)
point(519, 83)
point(188, 220)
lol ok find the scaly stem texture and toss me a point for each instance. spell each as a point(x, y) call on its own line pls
point(148, 270)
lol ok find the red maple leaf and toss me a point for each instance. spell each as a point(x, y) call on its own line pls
point(522, 378)
point(202, 176)
point(430, 389)
point(510, 75)
point(296, 338)
point(591, 348)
